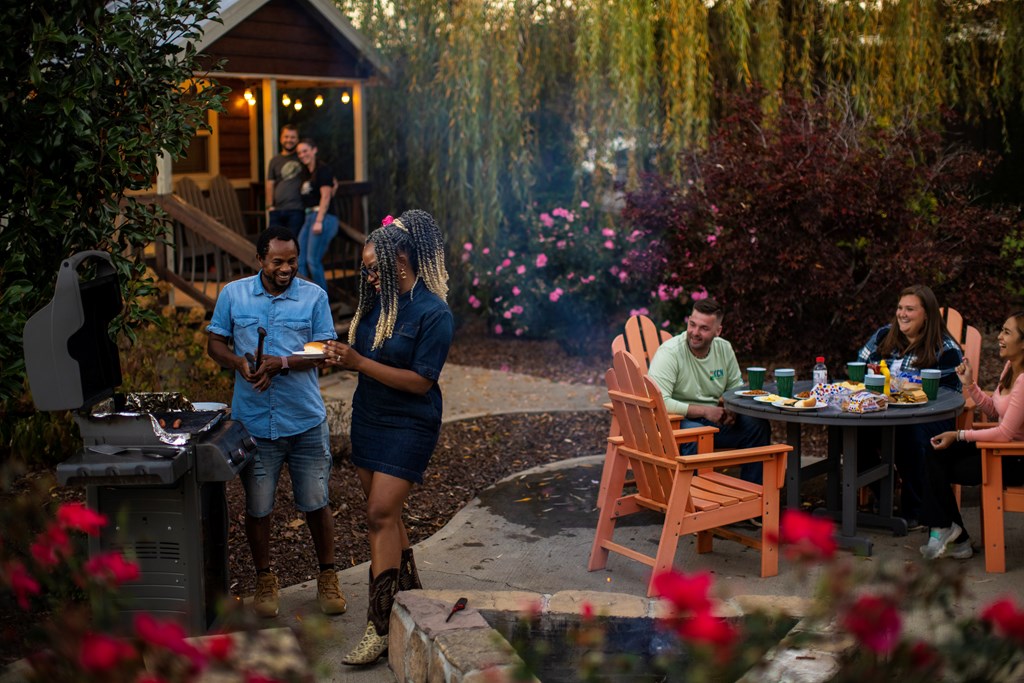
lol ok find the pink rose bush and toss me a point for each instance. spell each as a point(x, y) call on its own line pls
point(564, 276)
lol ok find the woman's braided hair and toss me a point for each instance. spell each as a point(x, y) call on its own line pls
point(415, 234)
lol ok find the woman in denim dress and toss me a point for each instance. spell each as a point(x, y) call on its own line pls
point(398, 342)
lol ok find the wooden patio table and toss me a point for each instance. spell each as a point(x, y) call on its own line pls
point(844, 480)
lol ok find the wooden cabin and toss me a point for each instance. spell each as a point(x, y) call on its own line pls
point(285, 61)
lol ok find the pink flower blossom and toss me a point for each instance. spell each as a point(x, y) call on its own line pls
point(80, 518)
point(584, 204)
point(519, 332)
point(22, 584)
point(99, 652)
point(517, 309)
point(639, 311)
point(547, 220)
point(169, 635)
point(498, 329)
point(219, 646)
point(699, 294)
point(714, 209)
point(498, 299)
point(506, 263)
point(875, 622)
point(511, 254)
point(520, 269)
point(805, 536)
point(468, 246)
point(465, 257)
point(516, 291)
point(712, 239)
point(507, 315)
point(111, 567)
point(608, 232)
point(665, 324)
point(474, 302)
point(388, 220)
point(50, 546)
point(560, 244)
point(542, 260)
point(476, 282)
point(556, 295)
point(487, 250)
point(1006, 618)
point(623, 275)
point(608, 244)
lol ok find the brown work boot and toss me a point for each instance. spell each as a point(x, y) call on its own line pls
point(264, 603)
point(328, 593)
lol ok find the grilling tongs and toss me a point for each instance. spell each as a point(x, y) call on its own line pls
point(254, 363)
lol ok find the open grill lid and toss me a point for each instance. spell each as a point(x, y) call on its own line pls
point(70, 359)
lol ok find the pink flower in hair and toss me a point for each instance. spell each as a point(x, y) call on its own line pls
point(388, 220)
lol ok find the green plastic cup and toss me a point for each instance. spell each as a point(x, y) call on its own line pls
point(755, 378)
point(930, 383)
point(855, 371)
point(875, 383)
point(784, 378)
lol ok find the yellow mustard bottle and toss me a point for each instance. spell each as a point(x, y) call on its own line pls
point(884, 369)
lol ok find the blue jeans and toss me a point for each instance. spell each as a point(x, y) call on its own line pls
point(312, 248)
point(744, 432)
point(288, 218)
point(308, 455)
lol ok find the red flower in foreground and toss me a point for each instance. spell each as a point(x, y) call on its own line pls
point(875, 622)
point(50, 546)
point(111, 567)
point(22, 584)
point(1007, 620)
point(704, 627)
point(587, 610)
point(924, 657)
point(99, 652)
point(806, 536)
point(169, 635)
point(686, 593)
point(77, 516)
point(220, 646)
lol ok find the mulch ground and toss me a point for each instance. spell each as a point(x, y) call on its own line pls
point(471, 455)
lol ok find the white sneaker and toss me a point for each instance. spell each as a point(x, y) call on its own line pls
point(960, 551)
point(938, 539)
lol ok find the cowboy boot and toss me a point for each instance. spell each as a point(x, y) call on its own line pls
point(375, 639)
point(408, 577)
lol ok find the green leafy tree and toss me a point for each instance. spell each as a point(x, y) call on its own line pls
point(92, 92)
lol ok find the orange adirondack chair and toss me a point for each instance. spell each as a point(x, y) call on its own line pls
point(693, 497)
point(969, 339)
point(997, 499)
point(641, 338)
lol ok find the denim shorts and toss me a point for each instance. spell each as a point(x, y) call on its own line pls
point(309, 463)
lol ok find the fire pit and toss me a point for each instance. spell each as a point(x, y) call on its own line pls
point(152, 463)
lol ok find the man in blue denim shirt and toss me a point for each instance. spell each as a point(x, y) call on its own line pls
point(279, 403)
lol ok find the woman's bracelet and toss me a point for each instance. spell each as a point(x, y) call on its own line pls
point(960, 435)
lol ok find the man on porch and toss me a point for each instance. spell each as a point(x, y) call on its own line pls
point(284, 184)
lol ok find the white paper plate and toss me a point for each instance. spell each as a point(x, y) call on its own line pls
point(315, 355)
point(817, 406)
point(209, 405)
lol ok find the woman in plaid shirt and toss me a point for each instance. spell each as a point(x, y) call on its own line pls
point(915, 339)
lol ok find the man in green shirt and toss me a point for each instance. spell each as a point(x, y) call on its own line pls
point(693, 371)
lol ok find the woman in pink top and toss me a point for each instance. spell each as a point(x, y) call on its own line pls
point(956, 459)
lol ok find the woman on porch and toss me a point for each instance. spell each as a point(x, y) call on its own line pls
point(321, 224)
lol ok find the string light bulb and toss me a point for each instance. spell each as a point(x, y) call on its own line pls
point(345, 97)
point(298, 105)
point(249, 97)
point(285, 100)
point(319, 101)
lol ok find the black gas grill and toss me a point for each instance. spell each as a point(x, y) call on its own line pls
point(151, 462)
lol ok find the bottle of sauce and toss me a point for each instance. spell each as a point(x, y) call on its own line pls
point(884, 369)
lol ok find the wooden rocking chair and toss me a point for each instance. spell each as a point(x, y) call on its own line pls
point(693, 497)
point(997, 499)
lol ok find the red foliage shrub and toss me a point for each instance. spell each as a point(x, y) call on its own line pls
point(807, 226)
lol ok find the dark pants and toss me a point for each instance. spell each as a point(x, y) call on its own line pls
point(958, 464)
point(288, 218)
point(744, 432)
point(912, 448)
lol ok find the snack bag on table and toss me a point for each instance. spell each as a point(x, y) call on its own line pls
point(832, 394)
point(864, 402)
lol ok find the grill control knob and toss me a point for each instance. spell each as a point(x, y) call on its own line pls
point(249, 443)
point(238, 456)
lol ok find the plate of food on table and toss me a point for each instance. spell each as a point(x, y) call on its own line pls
point(752, 393)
